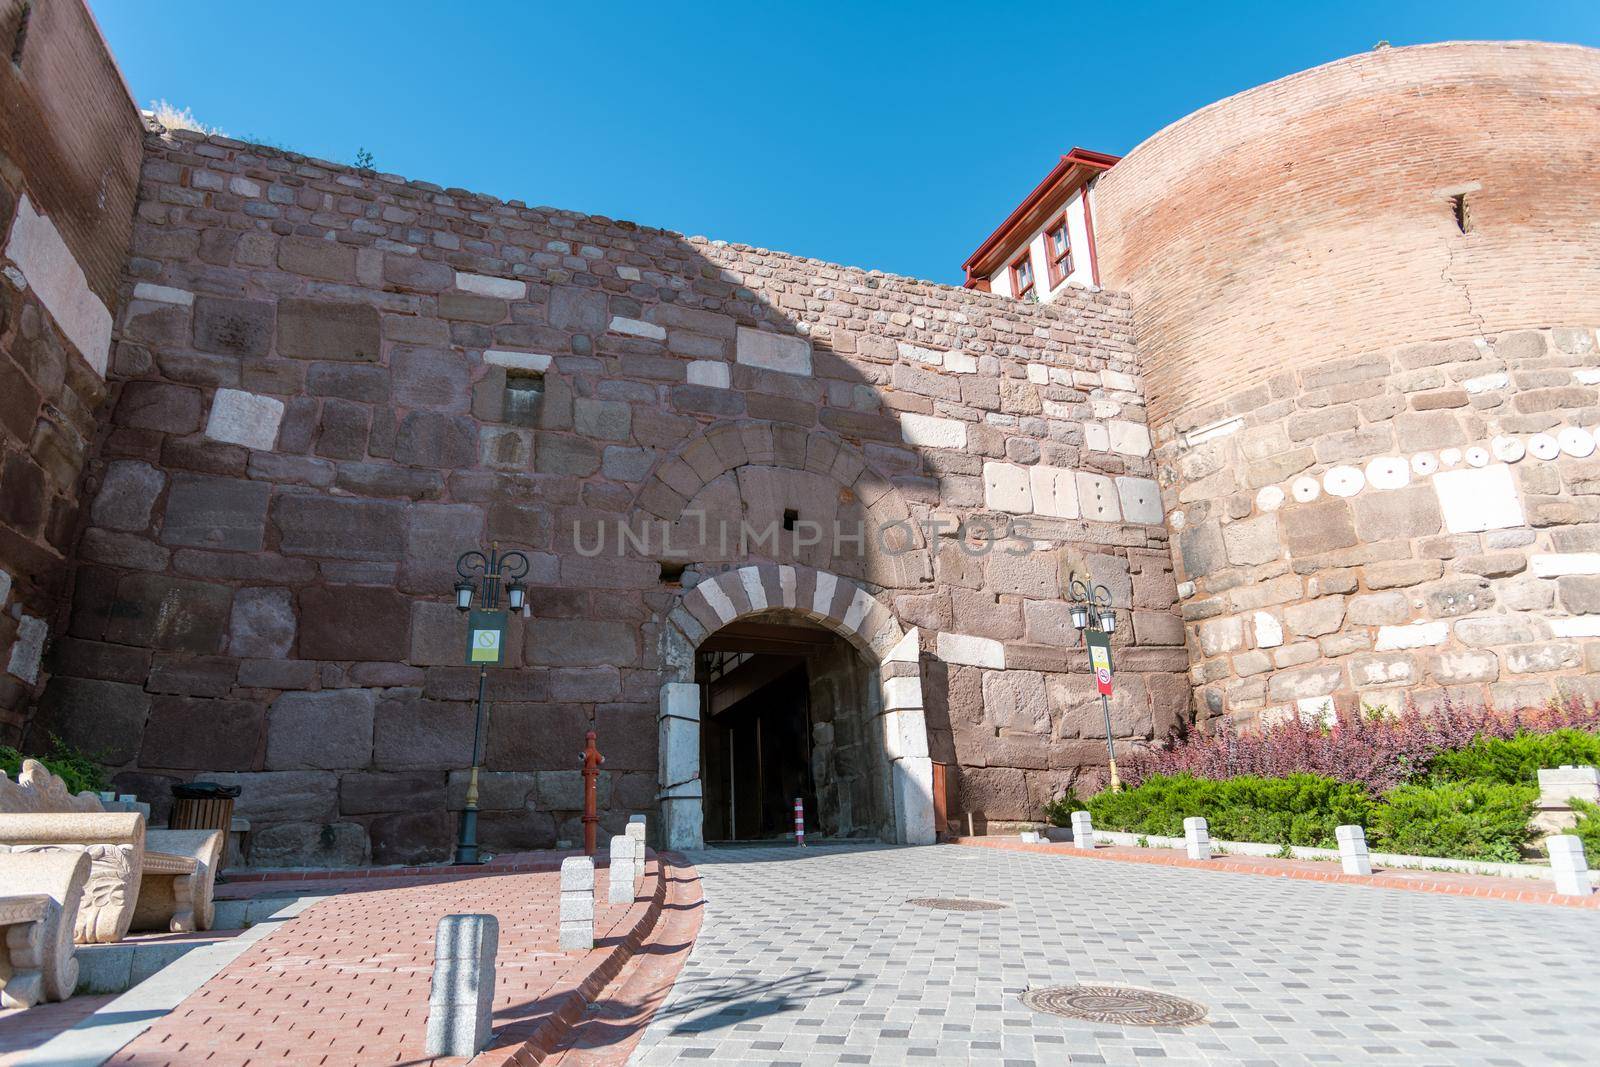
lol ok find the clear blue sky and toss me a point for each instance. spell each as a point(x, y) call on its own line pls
point(881, 134)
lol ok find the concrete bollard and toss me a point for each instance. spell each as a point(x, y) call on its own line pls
point(1197, 838)
point(461, 1000)
point(1082, 830)
point(620, 878)
point(1568, 866)
point(1353, 855)
point(635, 831)
point(577, 903)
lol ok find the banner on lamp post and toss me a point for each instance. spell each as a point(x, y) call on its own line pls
point(1100, 659)
point(486, 638)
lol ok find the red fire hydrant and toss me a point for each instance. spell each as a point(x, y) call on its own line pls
point(591, 772)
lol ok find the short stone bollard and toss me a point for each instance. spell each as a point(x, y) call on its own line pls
point(1082, 830)
point(577, 903)
point(1353, 855)
point(1197, 838)
point(635, 831)
point(461, 1000)
point(1030, 837)
point(1568, 866)
point(620, 876)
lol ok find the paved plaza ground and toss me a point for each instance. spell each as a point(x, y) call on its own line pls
point(815, 957)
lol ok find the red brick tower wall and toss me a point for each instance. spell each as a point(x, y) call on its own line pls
point(1307, 303)
point(69, 166)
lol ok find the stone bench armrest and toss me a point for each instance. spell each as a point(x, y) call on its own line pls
point(72, 828)
point(180, 873)
point(37, 958)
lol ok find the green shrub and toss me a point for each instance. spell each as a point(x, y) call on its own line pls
point(77, 770)
point(1059, 811)
point(1475, 820)
point(1300, 809)
point(1588, 828)
point(1516, 759)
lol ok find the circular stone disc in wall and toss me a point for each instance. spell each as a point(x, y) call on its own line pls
point(1477, 456)
point(1343, 481)
point(1507, 449)
point(1575, 441)
point(1306, 489)
point(1388, 472)
point(1450, 457)
point(1424, 463)
point(1177, 520)
point(1270, 498)
point(1543, 446)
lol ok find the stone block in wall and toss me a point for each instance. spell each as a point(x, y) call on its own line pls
point(369, 793)
point(322, 329)
point(1475, 500)
point(354, 623)
point(1312, 529)
point(339, 529)
point(1459, 667)
point(583, 311)
point(1015, 700)
point(310, 844)
point(1217, 636)
point(192, 733)
point(1400, 573)
point(1252, 541)
point(104, 719)
point(173, 409)
point(432, 439)
point(538, 736)
point(1303, 684)
point(328, 730)
point(128, 492)
point(410, 733)
point(1378, 609)
point(262, 624)
point(318, 258)
point(1006, 488)
point(1202, 550)
point(361, 382)
point(155, 611)
point(431, 378)
point(411, 837)
point(580, 643)
point(233, 327)
point(1315, 617)
point(223, 513)
point(1464, 596)
point(1398, 514)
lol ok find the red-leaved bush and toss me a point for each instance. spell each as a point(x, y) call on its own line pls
point(1379, 752)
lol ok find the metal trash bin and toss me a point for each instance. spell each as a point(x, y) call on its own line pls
point(202, 806)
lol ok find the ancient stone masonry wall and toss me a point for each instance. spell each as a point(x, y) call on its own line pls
point(69, 159)
point(1414, 525)
point(330, 382)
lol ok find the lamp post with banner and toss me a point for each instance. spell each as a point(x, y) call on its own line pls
point(1092, 616)
point(482, 577)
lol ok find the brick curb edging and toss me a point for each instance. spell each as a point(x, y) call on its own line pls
point(528, 1044)
point(1481, 887)
point(339, 874)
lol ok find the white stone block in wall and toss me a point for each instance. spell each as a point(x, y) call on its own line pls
point(1123, 383)
point(1568, 865)
point(918, 354)
point(709, 372)
point(773, 351)
point(485, 285)
point(1141, 500)
point(1556, 564)
point(1486, 382)
point(163, 294)
point(1414, 635)
point(1316, 711)
point(1039, 374)
point(1005, 488)
point(1269, 631)
point(907, 650)
point(1055, 491)
point(1478, 499)
point(861, 602)
point(750, 579)
point(822, 597)
point(714, 596)
point(1096, 438)
point(960, 363)
point(239, 185)
point(241, 418)
point(628, 274)
point(637, 328)
point(1576, 626)
point(28, 649)
point(1129, 438)
point(931, 432)
point(912, 725)
point(1097, 498)
point(536, 362)
point(787, 586)
point(971, 651)
point(902, 693)
point(38, 250)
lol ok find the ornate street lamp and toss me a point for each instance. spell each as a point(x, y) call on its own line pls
point(483, 575)
point(1093, 617)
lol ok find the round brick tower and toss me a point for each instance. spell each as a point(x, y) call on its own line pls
point(1366, 298)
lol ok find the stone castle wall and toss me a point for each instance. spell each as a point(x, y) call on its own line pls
point(69, 162)
point(1375, 430)
point(328, 383)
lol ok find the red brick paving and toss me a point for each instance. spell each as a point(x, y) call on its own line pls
point(22, 1029)
point(346, 982)
point(1525, 891)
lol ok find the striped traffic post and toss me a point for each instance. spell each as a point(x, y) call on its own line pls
point(800, 822)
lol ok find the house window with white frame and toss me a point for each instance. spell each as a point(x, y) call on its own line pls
point(1058, 251)
point(1022, 277)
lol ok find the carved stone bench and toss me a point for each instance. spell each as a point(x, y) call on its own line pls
point(155, 880)
point(36, 921)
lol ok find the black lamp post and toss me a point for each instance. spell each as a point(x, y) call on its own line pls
point(1091, 611)
point(483, 575)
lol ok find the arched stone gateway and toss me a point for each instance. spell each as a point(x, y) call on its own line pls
point(835, 603)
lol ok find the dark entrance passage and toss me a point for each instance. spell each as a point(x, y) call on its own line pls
point(783, 716)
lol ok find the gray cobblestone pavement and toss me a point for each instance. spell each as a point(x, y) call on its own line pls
point(816, 958)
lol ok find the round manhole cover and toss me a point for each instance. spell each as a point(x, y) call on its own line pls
point(957, 904)
point(1126, 1005)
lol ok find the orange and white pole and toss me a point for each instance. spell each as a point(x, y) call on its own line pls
point(800, 822)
